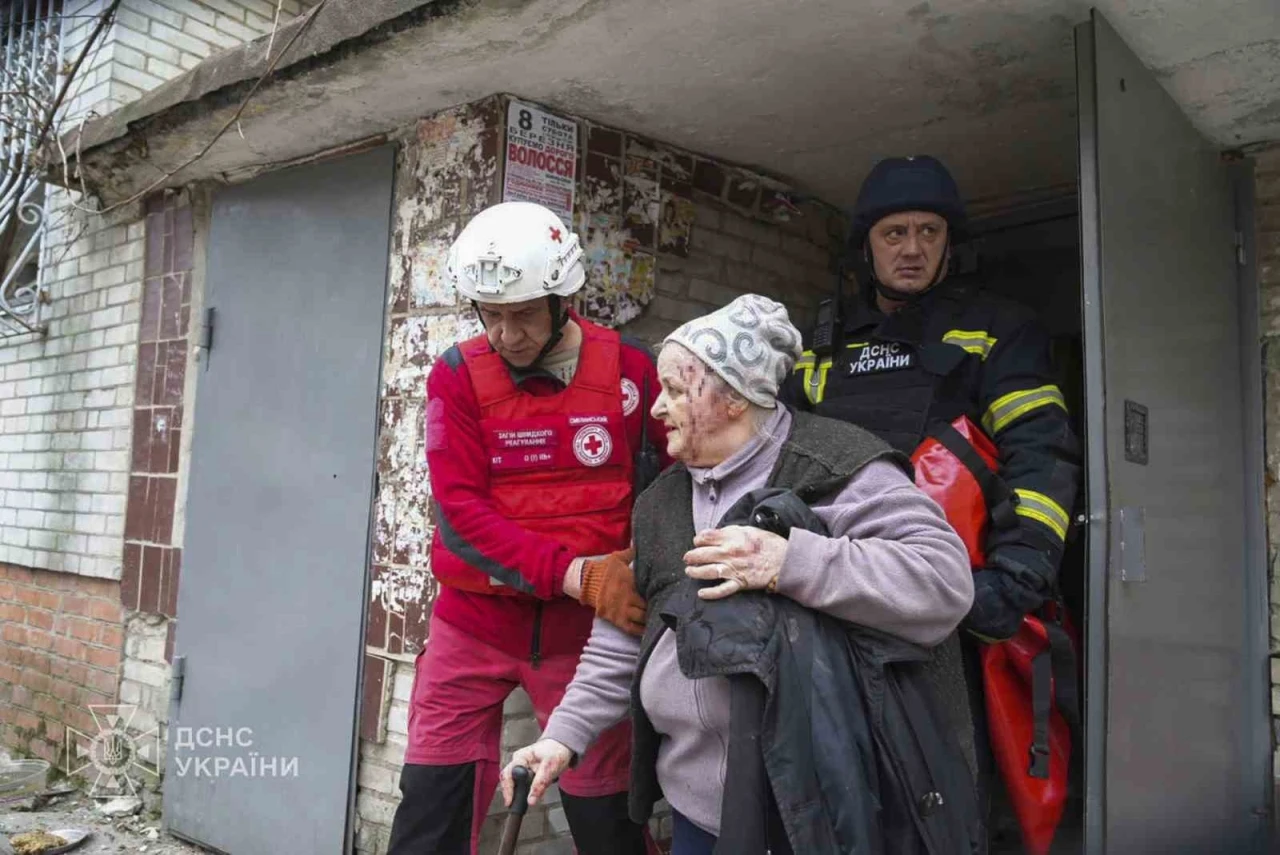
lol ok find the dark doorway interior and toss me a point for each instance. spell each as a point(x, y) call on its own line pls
point(1033, 256)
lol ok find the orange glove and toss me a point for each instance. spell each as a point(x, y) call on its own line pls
point(609, 587)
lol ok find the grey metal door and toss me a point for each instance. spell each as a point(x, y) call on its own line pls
point(261, 747)
point(1174, 708)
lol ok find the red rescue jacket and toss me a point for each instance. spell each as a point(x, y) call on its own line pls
point(525, 476)
point(558, 464)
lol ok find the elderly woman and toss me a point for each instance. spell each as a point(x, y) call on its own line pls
point(878, 560)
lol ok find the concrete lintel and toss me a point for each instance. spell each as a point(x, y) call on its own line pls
point(816, 92)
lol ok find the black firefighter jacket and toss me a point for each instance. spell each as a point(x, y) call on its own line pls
point(840, 723)
point(962, 351)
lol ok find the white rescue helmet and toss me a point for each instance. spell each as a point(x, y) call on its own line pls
point(513, 252)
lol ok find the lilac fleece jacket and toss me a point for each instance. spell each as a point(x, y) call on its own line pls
point(892, 563)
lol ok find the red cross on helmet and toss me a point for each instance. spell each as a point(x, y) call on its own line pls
point(515, 251)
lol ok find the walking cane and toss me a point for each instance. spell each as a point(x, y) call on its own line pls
point(522, 778)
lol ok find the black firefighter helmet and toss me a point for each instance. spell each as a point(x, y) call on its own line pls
point(897, 184)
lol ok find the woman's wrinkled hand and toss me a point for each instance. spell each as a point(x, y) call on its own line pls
point(546, 758)
point(743, 557)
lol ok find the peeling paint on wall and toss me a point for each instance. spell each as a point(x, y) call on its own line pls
point(406, 364)
point(676, 225)
point(619, 215)
point(448, 162)
point(444, 331)
point(394, 587)
point(447, 171)
point(400, 439)
point(426, 267)
point(637, 205)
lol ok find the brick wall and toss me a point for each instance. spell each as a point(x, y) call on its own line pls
point(1267, 200)
point(158, 463)
point(144, 677)
point(668, 236)
point(733, 254)
point(78, 472)
point(92, 91)
point(154, 41)
point(61, 654)
point(152, 557)
point(65, 403)
point(708, 233)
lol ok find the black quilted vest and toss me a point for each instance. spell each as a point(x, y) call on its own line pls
point(818, 458)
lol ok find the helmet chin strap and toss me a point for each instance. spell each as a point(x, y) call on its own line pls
point(898, 296)
point(559, 317)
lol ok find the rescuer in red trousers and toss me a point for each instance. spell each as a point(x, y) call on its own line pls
point(538, 439)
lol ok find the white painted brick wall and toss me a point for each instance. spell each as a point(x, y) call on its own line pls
point(165, 38)
point(154, 41)
point(65, 420)
point(66, 399)
point(145, 684)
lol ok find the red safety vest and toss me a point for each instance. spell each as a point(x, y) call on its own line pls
point(558, 464)
point(1029, 680)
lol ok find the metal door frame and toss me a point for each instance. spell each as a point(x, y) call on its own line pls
point(205, 213)
point(357, 703)
point(1257, 737)
point(1095, 623)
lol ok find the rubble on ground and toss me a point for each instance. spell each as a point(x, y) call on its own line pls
point(130, 830)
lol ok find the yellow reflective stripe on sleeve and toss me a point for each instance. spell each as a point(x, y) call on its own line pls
point(1042, 509)
point(815, 387)
point(1008, 408)
point(815, 383)
point(851, 345)
point(977, 342)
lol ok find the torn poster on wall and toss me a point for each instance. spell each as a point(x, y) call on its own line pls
point(541, 159)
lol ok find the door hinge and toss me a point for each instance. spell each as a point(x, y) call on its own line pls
point(1240, 258)
point(205, 341)
point(176, 678)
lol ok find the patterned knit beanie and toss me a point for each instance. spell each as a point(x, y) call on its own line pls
point(751, 343)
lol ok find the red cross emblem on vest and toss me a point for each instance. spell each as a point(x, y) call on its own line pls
point(592, 445)
point(555, 234)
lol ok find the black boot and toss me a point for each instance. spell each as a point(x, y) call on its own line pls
point(434, 817)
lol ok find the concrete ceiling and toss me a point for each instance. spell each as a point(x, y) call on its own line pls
point(810, 90)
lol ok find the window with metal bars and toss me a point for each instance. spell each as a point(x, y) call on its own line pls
point(30, 32)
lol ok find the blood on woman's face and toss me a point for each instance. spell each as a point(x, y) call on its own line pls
point(694, 405)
